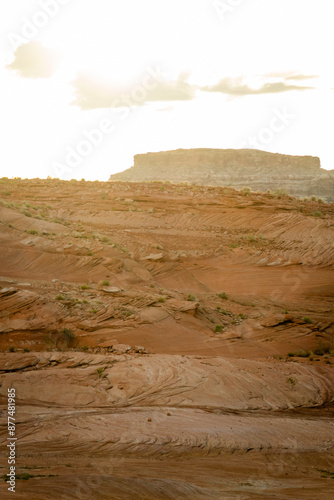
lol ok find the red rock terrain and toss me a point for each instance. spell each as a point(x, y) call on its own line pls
point(166, 341)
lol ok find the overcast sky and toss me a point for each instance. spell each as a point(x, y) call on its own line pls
point(86, 85)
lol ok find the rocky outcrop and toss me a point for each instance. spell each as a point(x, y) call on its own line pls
point(298, 175)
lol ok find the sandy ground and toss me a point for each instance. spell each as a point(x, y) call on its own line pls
point(166, 341)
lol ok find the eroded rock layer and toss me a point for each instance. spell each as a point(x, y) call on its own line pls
point(166, 342)
point(297, 175)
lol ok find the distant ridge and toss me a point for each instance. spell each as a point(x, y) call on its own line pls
point(297, 175)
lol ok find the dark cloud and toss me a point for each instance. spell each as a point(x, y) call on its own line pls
point(237, 88)
point(32, 60)
point(92, 94)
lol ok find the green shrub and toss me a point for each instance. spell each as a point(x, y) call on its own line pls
point(191, 297)
point(321, 350)
point(302, 354)
point(161, 299)
point(317, 213)
point(105, 283)
point(60, 297)
point(218, 328)
point(84, 287)
point(222, 295)
point(11, 349)
point(307, 319)
point(69, 337)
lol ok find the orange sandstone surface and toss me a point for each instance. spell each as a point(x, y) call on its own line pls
point(166, 341)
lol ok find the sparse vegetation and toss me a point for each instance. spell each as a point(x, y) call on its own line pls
point(105, 283)
point(307, 319)
point(60, 297)
point(222, 295)
point(11, 349)
point(321, 349)
point(291, 381)
point(69, 337)
point(218, 328)
point(191, 298)
point(251, 237)
point(326, 473)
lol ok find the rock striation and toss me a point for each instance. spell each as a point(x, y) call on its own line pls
point(297, 175)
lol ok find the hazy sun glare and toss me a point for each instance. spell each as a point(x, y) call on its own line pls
point(216, 79)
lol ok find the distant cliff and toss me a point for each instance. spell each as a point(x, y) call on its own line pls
point(259, 170)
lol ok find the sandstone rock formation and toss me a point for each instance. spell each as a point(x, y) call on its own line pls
point(166, 342)
point(298, 175)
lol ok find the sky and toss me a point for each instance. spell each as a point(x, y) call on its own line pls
point(86, 85)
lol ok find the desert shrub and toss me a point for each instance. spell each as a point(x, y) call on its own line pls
point(84, 287)
point(302, 354)
point(307, 319)
point(218, 328)
point(222, 295)
point(251, 237)
point(191, 297)
point(11, 349)
point(317, 213)
point(105, 283)
point(32, 231)
point(161, 299)
point(26, 213)
point(69, 337)
point(321, 350)
point(60, 297)
point(291, 381)
point(280, 192)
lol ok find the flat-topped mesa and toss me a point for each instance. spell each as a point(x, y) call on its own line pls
point(259, 170)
